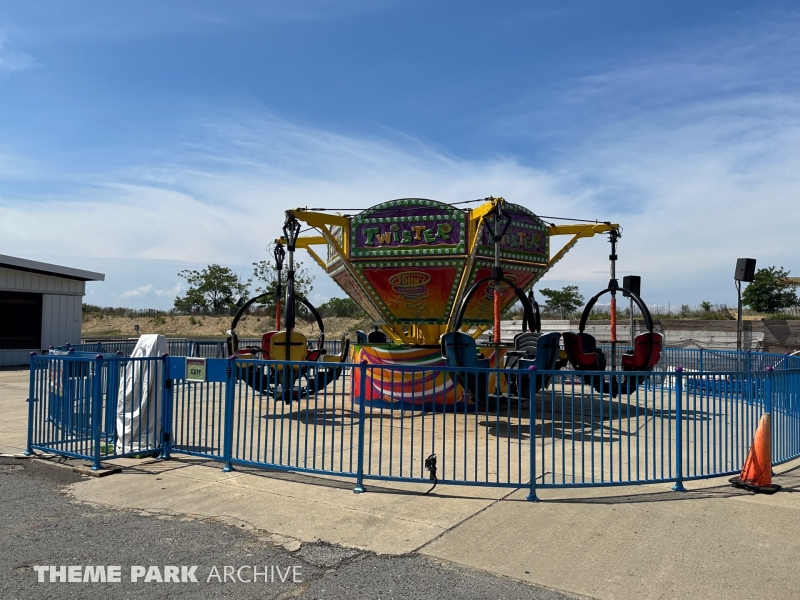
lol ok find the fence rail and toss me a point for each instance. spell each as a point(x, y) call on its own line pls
point(491, 427)
point(182, 347)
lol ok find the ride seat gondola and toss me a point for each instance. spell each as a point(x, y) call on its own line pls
point(544, 358)
point(531, 349)
point(344, 351)
point(376, 337)
point(583, 354)
point(265, 342)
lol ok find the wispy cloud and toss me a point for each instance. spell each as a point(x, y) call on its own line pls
point(148, 18)
point(12, 60)
point(698, 166)
point(692, 196)
point(149, 292)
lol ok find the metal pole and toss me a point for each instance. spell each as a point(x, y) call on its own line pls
point(532, 497)
point(230, 389)
point(291, 230)
point(166, 409)
point(496, 290)
point(613, 235)
point(633, 324)
point(31, 400)
point(96, 411)
point(279, 254)
point(739, 317)
point(362, 389)
point(678, 487)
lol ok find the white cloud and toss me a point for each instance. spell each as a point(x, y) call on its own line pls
point(692, 194)
point(695, 182)
point(149, 292)
point(11, 60)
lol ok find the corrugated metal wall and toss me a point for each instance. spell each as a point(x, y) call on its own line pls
point(22, 281)
point(61, 320)
point(61, 309)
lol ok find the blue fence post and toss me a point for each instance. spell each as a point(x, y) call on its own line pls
point(678, 487)
point(701, 360)
point(31, 400)
point(230, 395)
point(166, 409)
point(532, 497)
point(768, 410)
point(362, 393)
point(97, 410)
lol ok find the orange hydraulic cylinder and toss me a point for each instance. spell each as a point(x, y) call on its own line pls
point(613, 319)
point(496, 316)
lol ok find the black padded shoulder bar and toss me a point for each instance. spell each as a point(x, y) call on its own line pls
point(648, 319)
point(462, 307)
point(243, 309)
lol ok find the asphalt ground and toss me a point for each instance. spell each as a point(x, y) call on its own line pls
point(41, 526)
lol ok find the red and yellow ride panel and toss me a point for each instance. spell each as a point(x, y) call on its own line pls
point(414, 293)
point(394, 387)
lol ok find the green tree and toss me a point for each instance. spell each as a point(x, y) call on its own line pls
point(706, 305)
point(341, 307)
point(767, 293)
point(266, 276)
point(212, 289)
point(567, 300)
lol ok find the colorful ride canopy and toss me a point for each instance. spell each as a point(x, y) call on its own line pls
point(409, 262)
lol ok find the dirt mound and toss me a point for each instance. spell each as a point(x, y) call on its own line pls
point(205, 327)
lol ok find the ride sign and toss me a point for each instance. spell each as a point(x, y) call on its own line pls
point(195, 369)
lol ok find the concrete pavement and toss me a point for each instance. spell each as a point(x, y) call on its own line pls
point(626, 542)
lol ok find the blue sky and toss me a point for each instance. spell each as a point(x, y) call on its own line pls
point(140, 138)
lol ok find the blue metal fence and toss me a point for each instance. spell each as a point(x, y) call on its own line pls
point(545, 429)
point(183, 347)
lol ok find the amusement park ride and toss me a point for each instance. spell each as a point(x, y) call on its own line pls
point(433, 277)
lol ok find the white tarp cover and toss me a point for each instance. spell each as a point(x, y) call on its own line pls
point(139, 404)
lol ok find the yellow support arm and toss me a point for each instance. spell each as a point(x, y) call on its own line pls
point(582, 230)
point(307, 242)
point(318, 219)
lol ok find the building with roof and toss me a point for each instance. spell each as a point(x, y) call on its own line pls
point(40, 306)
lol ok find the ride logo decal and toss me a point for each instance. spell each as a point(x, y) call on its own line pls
point(414, 294)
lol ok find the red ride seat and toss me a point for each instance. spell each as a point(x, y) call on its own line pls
point(581, 348)
point(646, 352)
point(265, 341)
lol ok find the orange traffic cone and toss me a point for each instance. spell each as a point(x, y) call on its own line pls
point(756, 474)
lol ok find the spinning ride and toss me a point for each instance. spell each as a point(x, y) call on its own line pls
point(286, 382)
point(582, 351)
point(420, 268)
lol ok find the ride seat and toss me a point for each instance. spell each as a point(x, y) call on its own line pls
point(460, 350)
point(361, 337)
point(527, 342)
point(524, 348)
point(376, 337)
point(645, 354)
point(344, 351)
point(546, 357)
point(582, 352)
point(265, 340)
point(295, 350)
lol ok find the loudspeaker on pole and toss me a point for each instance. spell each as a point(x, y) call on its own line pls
point(745, 269)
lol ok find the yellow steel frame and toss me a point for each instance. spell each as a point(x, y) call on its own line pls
point(429, 334)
